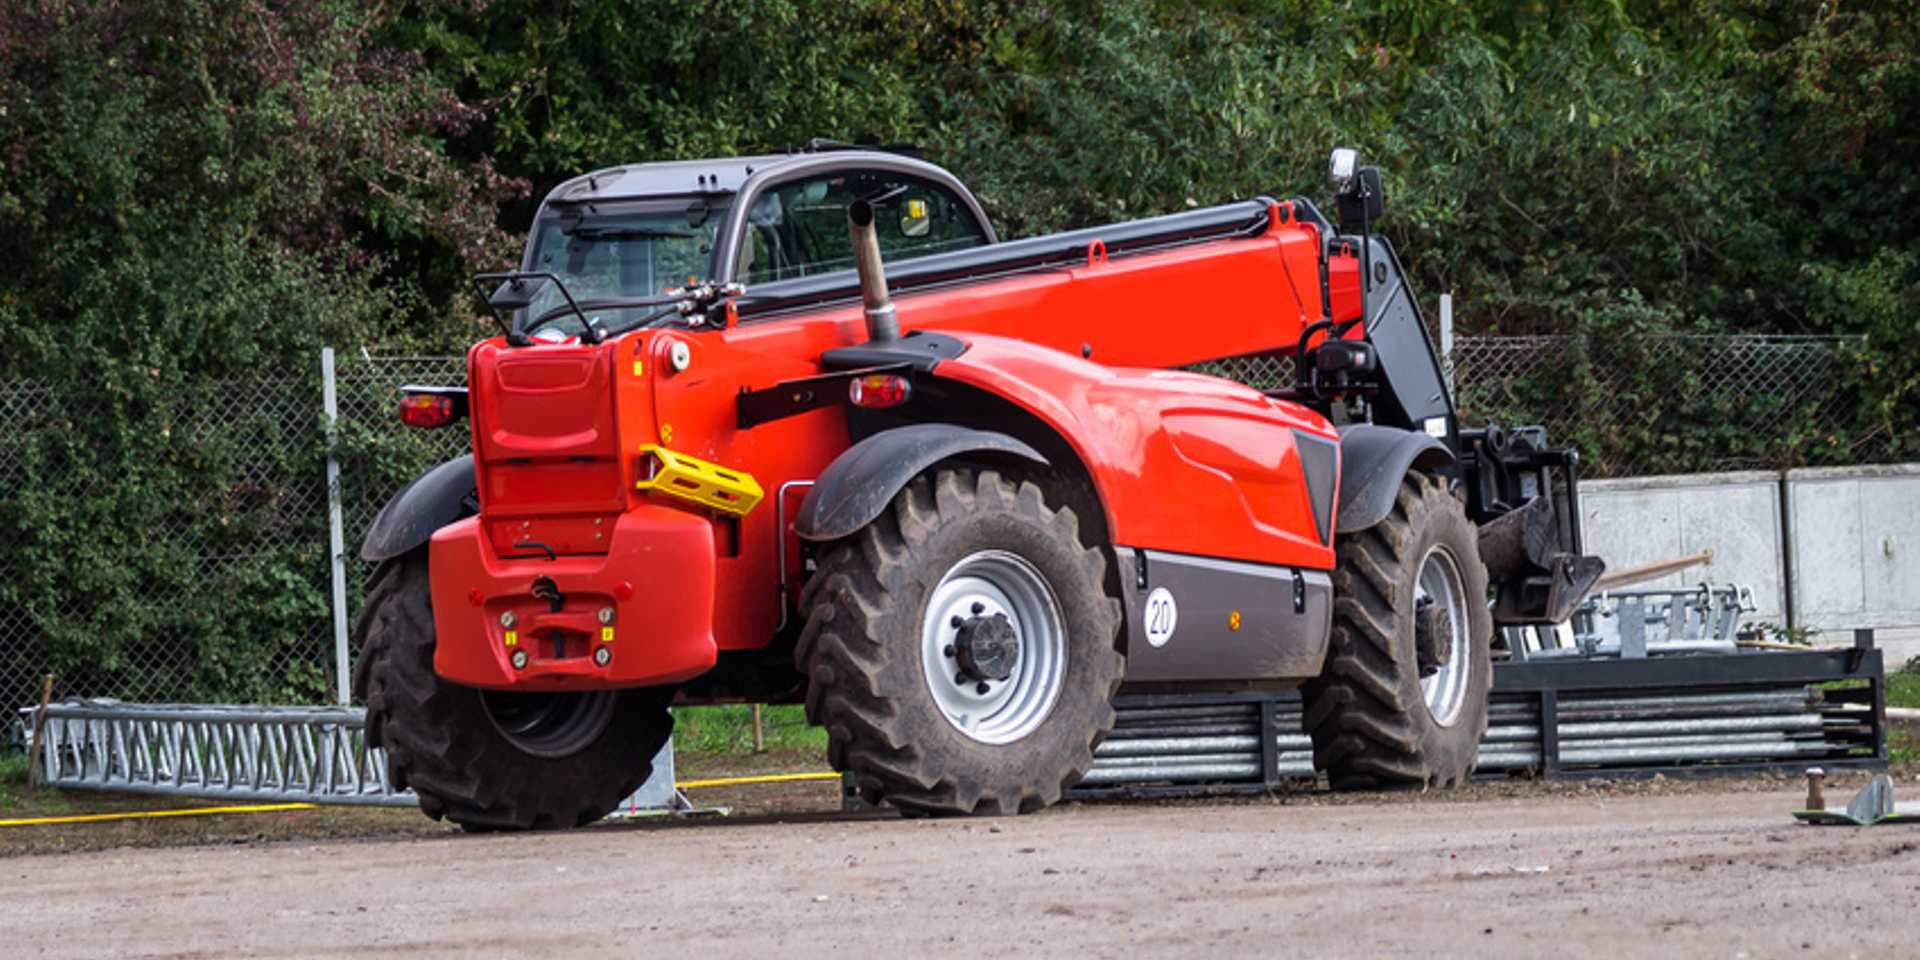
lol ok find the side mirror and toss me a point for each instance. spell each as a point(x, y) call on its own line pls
point(914, 221)
point(1360, 201)
point(1341, 165)
point(516, 293)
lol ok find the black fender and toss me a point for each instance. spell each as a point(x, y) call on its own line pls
point(433, 500)
point(858, 484)
point(1373, 461)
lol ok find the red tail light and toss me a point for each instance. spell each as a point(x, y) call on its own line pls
point(430, 408)
point(878, 391)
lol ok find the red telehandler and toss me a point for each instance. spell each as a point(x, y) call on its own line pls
point(801, 428)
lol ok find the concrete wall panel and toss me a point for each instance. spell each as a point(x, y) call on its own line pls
point(1736, 515)
point(1856, 546)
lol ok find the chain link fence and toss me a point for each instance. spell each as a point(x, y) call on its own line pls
point(228, 526)
point(250, 532)
point(377, 455)
point(1669, 404)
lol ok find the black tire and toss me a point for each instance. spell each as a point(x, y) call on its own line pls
point(861, 649)
point(1370, 721)
point(446, 741)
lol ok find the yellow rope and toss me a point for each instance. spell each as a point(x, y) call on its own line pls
point(742, 781)
point(278, 807)
point(148, 814)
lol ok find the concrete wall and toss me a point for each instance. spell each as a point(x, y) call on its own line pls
point(1855, 546)
point(1844, 552)
point(1736, 515)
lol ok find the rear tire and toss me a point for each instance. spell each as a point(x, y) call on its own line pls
point(489, 760)
point(885, 659)
point(1375, 720)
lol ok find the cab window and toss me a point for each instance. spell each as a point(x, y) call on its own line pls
point(799, 229)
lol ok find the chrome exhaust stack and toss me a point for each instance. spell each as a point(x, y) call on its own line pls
point(883, 325)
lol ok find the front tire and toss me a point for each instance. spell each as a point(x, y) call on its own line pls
point(960, 649)
point(1402, 700)
point(490, 760)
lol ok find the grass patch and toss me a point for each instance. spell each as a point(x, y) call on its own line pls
point(1902, 750)
point(1903, 688)
point(13, 768)
point(729, 730)
point(17, 800)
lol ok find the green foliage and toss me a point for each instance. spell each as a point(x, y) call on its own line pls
point(196, 195)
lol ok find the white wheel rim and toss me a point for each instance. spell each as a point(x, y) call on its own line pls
point(985, 584)
point(1439, 582)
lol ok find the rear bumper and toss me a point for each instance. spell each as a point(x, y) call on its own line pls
point(657, 577)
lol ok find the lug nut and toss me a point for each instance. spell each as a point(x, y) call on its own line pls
point(519, 659)
point(956, 623)
point(979, 608)
point(960, 678)
point(982, 688)
point(949, 651)
point(602, 656)
point(606, 614)
point(507, 620)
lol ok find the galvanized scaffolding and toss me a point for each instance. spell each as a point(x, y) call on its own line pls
point(278, 754)
point(1557, 718)
point(312, 754)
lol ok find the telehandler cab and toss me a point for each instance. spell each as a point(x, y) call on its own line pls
point(802, 428)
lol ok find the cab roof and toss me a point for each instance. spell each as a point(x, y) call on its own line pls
point(688, 178)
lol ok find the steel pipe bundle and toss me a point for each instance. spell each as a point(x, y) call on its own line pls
point(1221, 743)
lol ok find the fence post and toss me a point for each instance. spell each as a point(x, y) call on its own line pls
point(336, 532)
point(1446, 341)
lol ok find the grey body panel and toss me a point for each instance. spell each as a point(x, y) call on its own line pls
point(1409, 365)
point(1319, 464)
point(858, 484)
point(1373, 461)
point(1274, 642)
point(433, 500)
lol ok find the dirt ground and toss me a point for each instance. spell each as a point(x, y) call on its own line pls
point(1654, 869)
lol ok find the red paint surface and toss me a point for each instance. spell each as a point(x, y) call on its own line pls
point(1181, 462)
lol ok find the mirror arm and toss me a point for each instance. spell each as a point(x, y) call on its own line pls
point(516, 336)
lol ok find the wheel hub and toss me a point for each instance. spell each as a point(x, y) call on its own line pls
point(993, 646)
point(1432, 636)
point(550, 724)
point(1440, 636)
point(986, 647)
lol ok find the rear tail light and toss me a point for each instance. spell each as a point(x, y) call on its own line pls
point(430, 408)
point(878, 391)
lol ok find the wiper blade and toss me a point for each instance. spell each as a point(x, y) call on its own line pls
point(608, 303)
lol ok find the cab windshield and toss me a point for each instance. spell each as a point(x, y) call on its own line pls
point(609, 251)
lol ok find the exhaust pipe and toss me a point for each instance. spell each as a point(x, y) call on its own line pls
point(882, 324)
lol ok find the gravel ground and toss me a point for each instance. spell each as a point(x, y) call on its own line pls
point(1653, 869)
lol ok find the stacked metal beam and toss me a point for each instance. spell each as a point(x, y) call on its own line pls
point(1157, 741)
point(1605, 731)
point(1215, 743)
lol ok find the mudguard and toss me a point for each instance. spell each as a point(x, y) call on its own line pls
point(1374, 460)
point(1180, 462)
point(860, 483)
point(433, 500)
